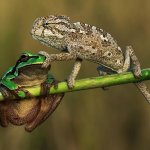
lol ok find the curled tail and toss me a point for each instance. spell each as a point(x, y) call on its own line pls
point(144, 90)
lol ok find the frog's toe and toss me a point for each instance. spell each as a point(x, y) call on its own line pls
point(55, 83)
point(21, 93)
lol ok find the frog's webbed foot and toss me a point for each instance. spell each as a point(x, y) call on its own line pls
point(55, 84)
point(20, 93)
point(47, 61)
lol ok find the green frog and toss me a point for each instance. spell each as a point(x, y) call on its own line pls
point(31, 111)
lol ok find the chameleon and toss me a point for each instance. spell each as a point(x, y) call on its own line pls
point(79, 41)
point(31, 111)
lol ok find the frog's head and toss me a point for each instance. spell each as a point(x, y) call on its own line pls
point(28, 59)
point(52, 30)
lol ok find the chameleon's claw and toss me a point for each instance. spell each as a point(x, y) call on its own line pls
point(47, 61)
point(43, 53)
point(46, 64)
point(70, 83)
point(137, 72)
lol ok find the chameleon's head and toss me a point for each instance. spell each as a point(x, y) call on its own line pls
point(51, 30)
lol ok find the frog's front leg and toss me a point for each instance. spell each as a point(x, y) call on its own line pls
point(15, 90)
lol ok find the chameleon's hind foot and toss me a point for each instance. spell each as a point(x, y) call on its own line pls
point(136, 68)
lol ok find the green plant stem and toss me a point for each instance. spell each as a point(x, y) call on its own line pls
point(95, 82)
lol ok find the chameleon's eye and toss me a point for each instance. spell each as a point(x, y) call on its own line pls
point(45, 24)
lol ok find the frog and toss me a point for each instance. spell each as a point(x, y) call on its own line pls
point(30, 111)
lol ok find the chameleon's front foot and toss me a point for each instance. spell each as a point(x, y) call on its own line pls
point(74, 73)
point(47, 61)
point(70, 82)
point(137, 72)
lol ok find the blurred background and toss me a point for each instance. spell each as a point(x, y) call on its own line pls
point(116, 119)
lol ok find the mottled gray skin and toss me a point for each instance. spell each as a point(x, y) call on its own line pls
point(81, 41)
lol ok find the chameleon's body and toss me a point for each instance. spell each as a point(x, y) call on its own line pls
point(81, 41)
point(30, 111)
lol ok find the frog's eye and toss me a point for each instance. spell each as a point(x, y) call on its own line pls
point(24, 57)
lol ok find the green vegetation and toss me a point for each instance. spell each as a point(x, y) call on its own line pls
point(95, 82)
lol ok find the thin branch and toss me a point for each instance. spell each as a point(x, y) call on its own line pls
point(95, 82)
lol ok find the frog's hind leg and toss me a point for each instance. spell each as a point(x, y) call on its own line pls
point(48, 104)
point(3, 114)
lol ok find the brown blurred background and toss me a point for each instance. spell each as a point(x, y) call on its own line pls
point(116, 119)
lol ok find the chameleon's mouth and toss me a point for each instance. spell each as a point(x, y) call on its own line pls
point(36, 32)
point(38, 38)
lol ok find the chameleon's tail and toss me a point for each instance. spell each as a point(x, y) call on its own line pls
point(144, 90)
